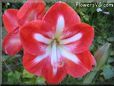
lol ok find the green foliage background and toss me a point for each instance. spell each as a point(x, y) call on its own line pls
point(12, 68)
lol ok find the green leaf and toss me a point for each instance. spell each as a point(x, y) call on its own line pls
point(28, 78)
point(111, 60)
point(86, 18)
point(112, 53)
point(17, 74)
point(70, 80)
point(89, 77)
point(108, 72)
point(40, 80)
point(10, 77)
point(29, 81)
point(111, 39)
point(27, 74)
point(5, 57)
point(101, 55)
point(13, 77)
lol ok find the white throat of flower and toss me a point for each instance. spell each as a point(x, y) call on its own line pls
point(56, 49)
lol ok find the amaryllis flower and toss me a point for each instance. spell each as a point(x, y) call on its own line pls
point(58, 45)
point(13, 19)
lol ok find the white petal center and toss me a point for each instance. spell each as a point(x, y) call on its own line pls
point(41, 38)
point(71, 39)
point(60, 25)
point(70, 56)
point(39, 58)
point(54, 59)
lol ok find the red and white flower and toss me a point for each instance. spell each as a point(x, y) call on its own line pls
point(58, 45)
point(13, 19)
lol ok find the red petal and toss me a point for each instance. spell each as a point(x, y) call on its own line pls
point(86, 64)
point(29, 42)
point(12, 43)
point(48, 73)
point(64, 10)
point(32, 67)
point(10, 19)
point(31, 10)
point(81, 43)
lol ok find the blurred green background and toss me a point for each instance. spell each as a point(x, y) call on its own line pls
point(14, 73)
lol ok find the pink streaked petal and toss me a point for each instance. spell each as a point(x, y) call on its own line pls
point(33, 66)
point(12, 43)
point(79, 39)
point(50, 77)
point(73, 64)
point(76, 70)
point(35, 37)
point(10, 19)
point(61, 13)
point(81, 68)
point(31, 10)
